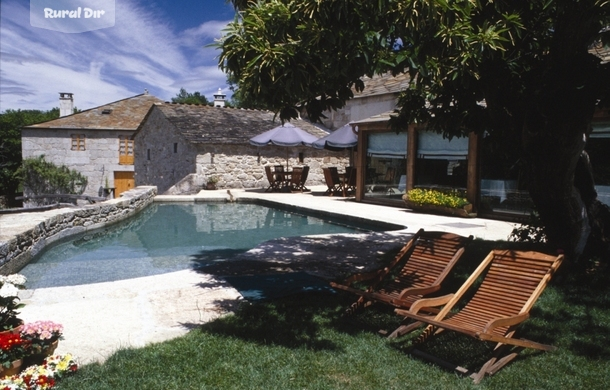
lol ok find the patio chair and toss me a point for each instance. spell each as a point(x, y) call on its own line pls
point(295, 178)
point(417, 270)
point(512, 282)
point(299, 185)
point(333, 181)
point(274, 183)
point(350, 180)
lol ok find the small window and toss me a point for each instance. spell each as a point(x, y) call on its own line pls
point(78, 142)
point(148, 154)
point(125, 150)
point(175, 147)
point(301, 158)
point(106, 111)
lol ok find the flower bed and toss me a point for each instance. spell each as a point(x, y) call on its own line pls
point(451, 202)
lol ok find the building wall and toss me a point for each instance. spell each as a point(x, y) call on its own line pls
point(243, 166)
point(97, 162)
point(236, 166)
point(162, 156)
point(359, 109)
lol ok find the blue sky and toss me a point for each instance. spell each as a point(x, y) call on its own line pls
point(158, 45)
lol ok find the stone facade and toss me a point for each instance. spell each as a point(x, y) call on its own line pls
point(19, 246)
point(179, 147)
point(162, 156)
point(97, 162)
point(243, 166)
point(99, 132)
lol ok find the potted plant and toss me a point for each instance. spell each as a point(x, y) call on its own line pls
point(446, 202)
point(211, 183)
point(43, 338)
point(12, 350)
point(43, 376)
point(9, 301)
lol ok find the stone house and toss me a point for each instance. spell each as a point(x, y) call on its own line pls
point(380, 95)
point(178, 147)
point(97, 142)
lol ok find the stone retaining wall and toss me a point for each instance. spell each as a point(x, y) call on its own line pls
point(18, 250)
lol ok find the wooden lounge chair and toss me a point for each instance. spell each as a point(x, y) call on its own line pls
point(333, 181)
point(419, 268)
point(512, 283)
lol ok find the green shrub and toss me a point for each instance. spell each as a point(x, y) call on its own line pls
point(448, 198)
point(42, 177)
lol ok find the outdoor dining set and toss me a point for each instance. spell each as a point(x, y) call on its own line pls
point(284, 180)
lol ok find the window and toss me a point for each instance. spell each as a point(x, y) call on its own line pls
point(125, 150)
point(386, 165)
point(175, 147)
point(78, 142)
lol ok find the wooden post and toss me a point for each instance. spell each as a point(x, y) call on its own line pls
point(472, 183)
point(411, 156)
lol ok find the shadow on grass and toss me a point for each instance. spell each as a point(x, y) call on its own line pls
point(570, 315)
point(292, 322)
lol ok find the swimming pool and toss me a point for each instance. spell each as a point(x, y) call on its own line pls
point(171, 237)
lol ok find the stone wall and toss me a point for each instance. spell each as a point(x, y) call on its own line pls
point(98, 161)
point(162, 156)
point(243, 166)
point(16, 250)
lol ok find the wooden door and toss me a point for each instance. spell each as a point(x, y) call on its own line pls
point(123, 181)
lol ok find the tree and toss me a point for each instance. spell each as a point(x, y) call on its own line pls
point(190, 98)
point(11, 122)
point(523, 67)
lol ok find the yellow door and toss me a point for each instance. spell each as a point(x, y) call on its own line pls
point(123, 181)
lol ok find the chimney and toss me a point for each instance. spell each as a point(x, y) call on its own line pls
point(219, 99)
point(66, 103)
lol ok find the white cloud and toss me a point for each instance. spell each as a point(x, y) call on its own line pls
point(140, 51)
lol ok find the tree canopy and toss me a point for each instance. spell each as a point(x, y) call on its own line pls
point(11, 122)
point(526, 67)
point(189, 98)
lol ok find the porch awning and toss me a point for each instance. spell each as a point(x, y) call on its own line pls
point(432, 145)
point(600, 130)
point(387, 145)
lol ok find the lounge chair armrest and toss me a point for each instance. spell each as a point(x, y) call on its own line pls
point(419, 291)
point(429, 302)
point(505, 321)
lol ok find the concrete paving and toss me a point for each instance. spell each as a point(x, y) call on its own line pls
point(102, 318)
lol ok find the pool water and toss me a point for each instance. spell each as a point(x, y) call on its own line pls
point(170, 237)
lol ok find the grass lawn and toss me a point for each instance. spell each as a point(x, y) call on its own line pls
point(305, 342)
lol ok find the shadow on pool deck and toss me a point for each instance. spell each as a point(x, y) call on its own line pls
point(326, 256)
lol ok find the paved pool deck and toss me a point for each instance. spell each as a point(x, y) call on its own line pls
point(101, 318)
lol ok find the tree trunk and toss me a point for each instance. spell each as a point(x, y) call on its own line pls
point(561, 185)
point(552, 151)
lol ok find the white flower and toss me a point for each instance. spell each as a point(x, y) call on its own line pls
point(16, 279)
point(8, 290)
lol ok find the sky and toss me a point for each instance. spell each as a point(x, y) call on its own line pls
point(157, 45)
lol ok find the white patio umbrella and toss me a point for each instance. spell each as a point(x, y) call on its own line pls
point(285, 135)
point(342, 138)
